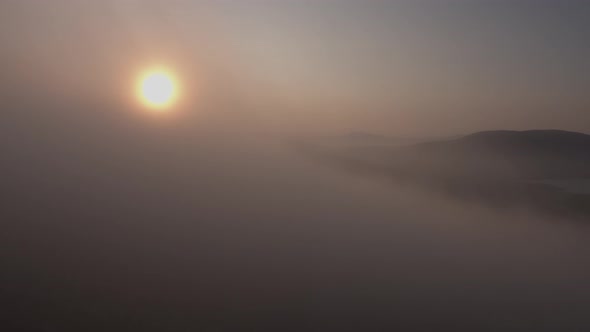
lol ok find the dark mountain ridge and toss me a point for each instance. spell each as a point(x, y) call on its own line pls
point(528, 142)
point(533, 154)
point(503, 168)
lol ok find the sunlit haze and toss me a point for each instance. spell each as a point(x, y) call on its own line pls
point(295, 165)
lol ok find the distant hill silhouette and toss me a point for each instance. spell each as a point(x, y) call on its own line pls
point(503, 168)
point(533, 154)
point(532, 142)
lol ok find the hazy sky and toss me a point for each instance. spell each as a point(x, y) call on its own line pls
point(118, 219)
point(395, 67)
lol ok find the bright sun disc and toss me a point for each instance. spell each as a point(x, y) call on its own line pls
point(157, 89)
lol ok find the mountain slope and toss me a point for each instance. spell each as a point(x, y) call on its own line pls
point(503, 168)
point(535, 154)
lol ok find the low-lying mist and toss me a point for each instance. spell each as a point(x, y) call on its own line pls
point(111, 224)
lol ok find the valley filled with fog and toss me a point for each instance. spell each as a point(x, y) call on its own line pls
point(151, 226)
point(294, 166)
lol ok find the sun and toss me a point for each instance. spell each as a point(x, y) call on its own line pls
point(157, 89)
